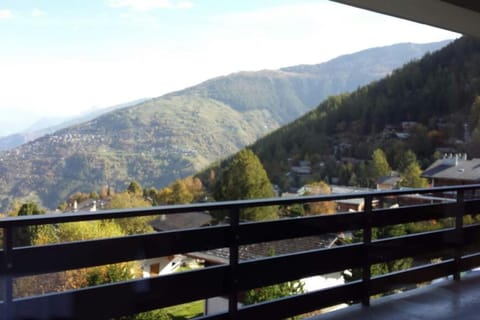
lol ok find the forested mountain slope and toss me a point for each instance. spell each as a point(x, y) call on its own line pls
point(437, 94)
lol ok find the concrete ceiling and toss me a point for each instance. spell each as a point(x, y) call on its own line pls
point(462, 16)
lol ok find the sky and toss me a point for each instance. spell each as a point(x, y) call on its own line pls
point(60, 58)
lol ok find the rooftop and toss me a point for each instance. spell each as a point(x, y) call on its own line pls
point(454, 168)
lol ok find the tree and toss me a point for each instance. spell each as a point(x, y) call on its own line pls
point(363, 179)
point(275, 291)
point(74, 279)
point(406, 159)
point(411, 177)
point(180, 193)
point(165, 196)
point(420, 141)
point(135, 188)
point(124, 200)
point(379, 166)
point(25, 236)
point(381, 268)
point(195, 187)
point(294, 210)
point(321, 207)
point(245, 178)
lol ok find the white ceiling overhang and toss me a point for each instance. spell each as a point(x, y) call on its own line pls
point(462, 16)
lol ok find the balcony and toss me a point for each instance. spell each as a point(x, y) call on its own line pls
point(447, 252)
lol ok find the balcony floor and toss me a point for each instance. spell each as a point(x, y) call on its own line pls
point(444, 300)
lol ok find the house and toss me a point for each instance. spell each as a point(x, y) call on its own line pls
point(453, 170)
point(165, 265)
point(350, 205)
point(181, 221)
point(408, 125)
point(388, 182)
point(262, 250)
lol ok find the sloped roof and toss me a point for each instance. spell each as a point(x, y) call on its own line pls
point(265, 249)
point(466, 170)
point(390, 180)
point(181, 221)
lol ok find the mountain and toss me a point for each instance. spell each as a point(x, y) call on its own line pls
point(170, 137)
point(290, 92)
point(429, 106)
point(50, 125)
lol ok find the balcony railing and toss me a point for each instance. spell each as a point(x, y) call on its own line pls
point(451, 245)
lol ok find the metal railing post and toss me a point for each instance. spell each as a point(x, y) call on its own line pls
point(367, 239)
point(6, 276)
point(459, 232)
point(233, 260)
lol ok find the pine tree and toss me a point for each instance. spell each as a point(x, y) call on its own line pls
point(245, 178)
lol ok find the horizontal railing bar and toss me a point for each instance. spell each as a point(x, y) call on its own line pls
point(406, 214)
point(289, 267)
point(472, 206)
point(223, 205)
point(385, 250)
point(303, 303)
point(119, 299)
point(470, 232)
point(31, 260)
point(217, 316)
point(470, 262)
point(410, 277)
point(298, 227)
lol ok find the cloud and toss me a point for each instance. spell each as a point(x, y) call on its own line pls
point(5, 14)
point(38, 13)
point(146, 5)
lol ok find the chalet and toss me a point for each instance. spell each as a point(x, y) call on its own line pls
point(408, 125)
point(453, 170)
point(266, 249)
point(388, 182)
point(350, 204)
point(165, 265)
point(181, 221)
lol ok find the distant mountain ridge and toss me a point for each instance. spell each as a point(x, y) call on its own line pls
point(170, 137)
point(297, 89)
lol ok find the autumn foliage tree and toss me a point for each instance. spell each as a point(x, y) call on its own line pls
point(378, 166)
point(321, 207)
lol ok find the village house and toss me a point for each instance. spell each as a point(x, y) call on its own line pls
point(453, 169)
point(261, 250)
point(166, 265)
point(388, 182)
point(350, 205)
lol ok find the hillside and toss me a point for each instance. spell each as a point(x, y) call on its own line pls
point(47, 126)
point(436, 96)
point(166, 138)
